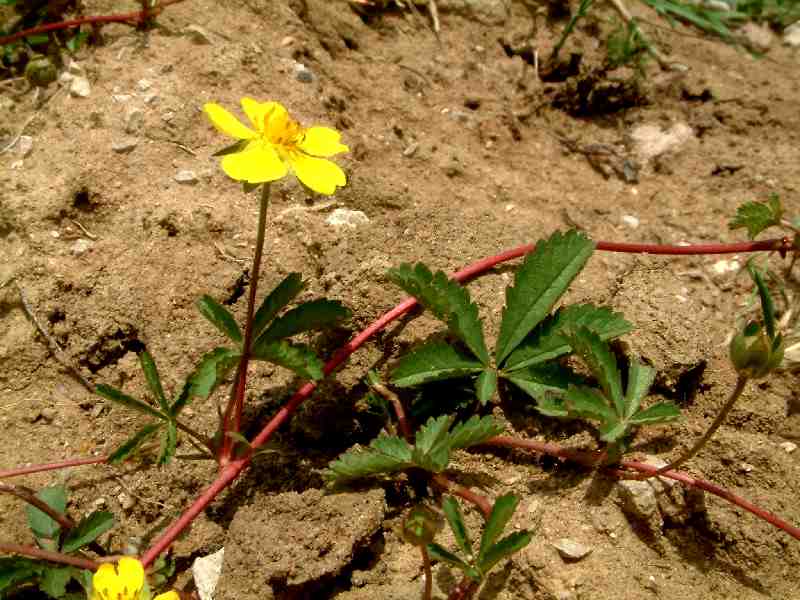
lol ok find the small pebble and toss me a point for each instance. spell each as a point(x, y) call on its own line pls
point(134, 120)
point(144, 85)
point(80, 87)
point(197, 34)
point(126, 501)
point(80, 246)
point(411, 149)
point(570, 549)
point(302, 73)
point(344, 217)
point(788, 447)
point(25, 146)
point(150, 98)
point(630, 221)
point(746, 467)
point(721, 267)
point(287, 41)
point(99, 502)
point(124, 146)
point(121, 98)
point(206, 571)
point(186, 177)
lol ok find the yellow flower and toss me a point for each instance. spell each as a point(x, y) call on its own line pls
point(276, 145)
point(124, 582)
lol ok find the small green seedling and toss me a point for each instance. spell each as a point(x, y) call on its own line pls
point(50, 535)
point(271, 343)
point(531, 339)
point(474, 565)
point(431, 451)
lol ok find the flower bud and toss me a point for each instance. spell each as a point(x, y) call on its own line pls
point(754, 354)
point(420, 526)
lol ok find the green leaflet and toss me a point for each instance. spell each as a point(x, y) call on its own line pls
point(758, 216)
point(543, 277)
point(220, 318)
point(315, 314)
point(295, 357)
point(286, 291)
point(432, 362)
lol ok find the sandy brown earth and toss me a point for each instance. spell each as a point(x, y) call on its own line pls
point(458, 152)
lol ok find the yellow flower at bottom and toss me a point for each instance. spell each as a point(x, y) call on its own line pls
point(125, 581)
point(276, 144)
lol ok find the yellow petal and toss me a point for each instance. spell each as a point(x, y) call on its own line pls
point(170, 595)
point(257, 163)
point(322, 141)
point(256, 111)
point(322, 176)
point(227, 123)
point(121, 583)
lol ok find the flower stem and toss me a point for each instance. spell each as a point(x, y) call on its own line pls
point(233, 413)
point(54, 466)
point(426, 567)
point(56, 557)
point(29, 496)
point(741, 382)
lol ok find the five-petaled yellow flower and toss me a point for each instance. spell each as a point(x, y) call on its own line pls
point(276, 145)
point(125, 581)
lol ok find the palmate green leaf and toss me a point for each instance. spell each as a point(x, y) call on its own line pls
point(486, 385)
point(663, 412)
point(538, 381)
point(432, 444)
point(132, 444)
point(386, 454)
point(452, 513)
point(503, 549)
point(502, 511)
point(474, 431)
point(283, 293)
point(433, 362)
point(447, 300)
point(758, 216)
point(168, 444)
point(42, 526)
point(295, 357)
point(315, 314)
point(15, 571)
point(587, 403)
point(55, 579)
point(437, 552)
point(219, 317)
point(113, 394)
point(640, 378)
point(153, 379)
point(88, 530)
point(543, 277)
point(211, 371)
point(550, 339)
point(603, 365)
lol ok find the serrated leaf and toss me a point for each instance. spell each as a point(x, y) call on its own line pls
point(168, 444)
point(584, 402)
point(130, 446)
point(42, 526)
point(543, 277)
point(603, 365)
point(283, 293)
point(55, 579)
point(88, 530)
point(474, 431)
point(432, 362)
point(550, 339)
point(502, 511)
point(504, 548)
point(551, 405)
point(431, 445)
point(663, 412)
point(14, 571)
point(153, 380)
point(212, 369)
point(113, 394)
point(219, 317)
point(640, 378)
point(295, 357)
point(386, 454)
point(543, 379)
point(758, 216)
point(486, 385)
point(452, 513)
point(316, 314)
point(436, 552)
point(447, 300)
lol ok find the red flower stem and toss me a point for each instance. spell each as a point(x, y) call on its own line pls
point(233, 412)
point(426, 567)
point(137, 17)
point(594, 459)
point(54, 466)
point(29, 496)
point(467, 494)
point(56, 557)
point(341, 355)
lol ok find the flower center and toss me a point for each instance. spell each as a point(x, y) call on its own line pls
point(285, 133)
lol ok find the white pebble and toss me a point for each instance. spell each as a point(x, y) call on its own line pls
point(186, 177)
point(347, 218)
point(630, 221)
point(788, 447)
point(80, 87)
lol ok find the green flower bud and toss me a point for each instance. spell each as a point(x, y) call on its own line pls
point(420, 526)
point(754, 354)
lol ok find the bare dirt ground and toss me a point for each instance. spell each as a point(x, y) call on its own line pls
point(456, 154)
